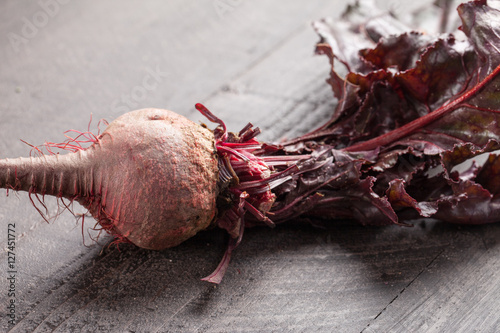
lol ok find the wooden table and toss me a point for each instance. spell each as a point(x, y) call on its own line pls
point(62, 61)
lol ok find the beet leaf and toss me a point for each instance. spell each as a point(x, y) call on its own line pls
point(413, 109)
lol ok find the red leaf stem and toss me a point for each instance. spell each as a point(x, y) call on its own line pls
point(410, 128)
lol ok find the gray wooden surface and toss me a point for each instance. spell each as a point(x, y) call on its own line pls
point(61, 61)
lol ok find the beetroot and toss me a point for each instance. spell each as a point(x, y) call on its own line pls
point(149, 178)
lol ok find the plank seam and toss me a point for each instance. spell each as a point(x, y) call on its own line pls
point(402, 291)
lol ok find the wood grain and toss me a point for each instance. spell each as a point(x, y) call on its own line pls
point(252, 62)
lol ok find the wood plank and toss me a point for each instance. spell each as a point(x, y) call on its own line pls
point(285, 87)
point(457, 292)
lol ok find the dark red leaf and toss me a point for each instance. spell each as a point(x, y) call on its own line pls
point(412, 111)
point(423, 105)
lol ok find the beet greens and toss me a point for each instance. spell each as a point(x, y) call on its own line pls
point(412, 109)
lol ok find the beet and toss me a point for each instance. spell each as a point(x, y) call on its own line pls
point(150, 178)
